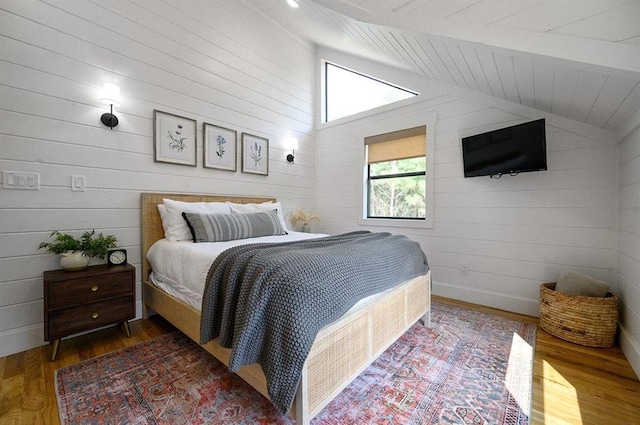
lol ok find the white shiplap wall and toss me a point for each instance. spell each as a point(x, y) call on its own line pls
point(629, 247)
point(213, 61)
point(514, 233)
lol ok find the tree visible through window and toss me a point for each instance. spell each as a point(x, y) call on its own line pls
point(348, 92)
point(396, 177)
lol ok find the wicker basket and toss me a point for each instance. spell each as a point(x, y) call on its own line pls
point(590, 321)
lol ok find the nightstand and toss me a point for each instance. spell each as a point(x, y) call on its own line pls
point(88, 299)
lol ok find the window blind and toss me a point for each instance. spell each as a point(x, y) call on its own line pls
point(402, 144)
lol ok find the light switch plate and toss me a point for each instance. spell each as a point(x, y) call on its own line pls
point(77, 183)
point(20, 180)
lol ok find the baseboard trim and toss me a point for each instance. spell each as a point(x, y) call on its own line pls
point(630, 349)
point(21, 339)
point(508, 302)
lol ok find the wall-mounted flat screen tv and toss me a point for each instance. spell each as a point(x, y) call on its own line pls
point(517, 149)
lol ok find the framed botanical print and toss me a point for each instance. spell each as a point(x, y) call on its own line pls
point(174, 138)
point(220, 147)
point(255, 154)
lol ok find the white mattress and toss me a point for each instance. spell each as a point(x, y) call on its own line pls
point(180, 268)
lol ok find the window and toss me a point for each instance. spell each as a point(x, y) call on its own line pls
point(396, 174)
point(348, 92)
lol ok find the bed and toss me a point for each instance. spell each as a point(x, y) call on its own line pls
point(341, 349)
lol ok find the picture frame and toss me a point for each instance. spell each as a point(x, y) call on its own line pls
point(174, 139)
point(220, 147)
point(255, 154)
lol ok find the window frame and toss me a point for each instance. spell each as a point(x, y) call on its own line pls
point(398, 123)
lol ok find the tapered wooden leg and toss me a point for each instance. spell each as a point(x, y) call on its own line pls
point(125, 325)
point(56, 345)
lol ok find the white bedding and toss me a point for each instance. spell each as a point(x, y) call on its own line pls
point(180, 268)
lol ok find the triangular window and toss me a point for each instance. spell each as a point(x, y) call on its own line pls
point(348, 92)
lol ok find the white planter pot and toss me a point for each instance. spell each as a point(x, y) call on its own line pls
point(74, 260)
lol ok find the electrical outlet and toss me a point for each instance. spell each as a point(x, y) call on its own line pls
point(464, 269)
point(20, 180)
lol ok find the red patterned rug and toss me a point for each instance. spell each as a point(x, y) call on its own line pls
point(468, 368)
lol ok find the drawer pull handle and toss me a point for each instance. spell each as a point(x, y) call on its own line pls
point(94, 288)
point(95, 315)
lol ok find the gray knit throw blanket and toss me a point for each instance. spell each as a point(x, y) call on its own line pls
point(267, 302)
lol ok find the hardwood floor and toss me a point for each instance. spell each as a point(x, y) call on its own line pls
point(571, 384)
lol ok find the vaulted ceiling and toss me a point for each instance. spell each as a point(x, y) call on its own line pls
point(578, 59)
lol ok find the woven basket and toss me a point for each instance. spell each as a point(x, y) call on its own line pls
point(590, 321)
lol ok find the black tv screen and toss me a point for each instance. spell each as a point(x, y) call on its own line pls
point(511, 150)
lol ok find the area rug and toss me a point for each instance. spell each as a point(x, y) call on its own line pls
point(469, 367)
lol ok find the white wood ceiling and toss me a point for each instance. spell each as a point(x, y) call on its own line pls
point(578, 59)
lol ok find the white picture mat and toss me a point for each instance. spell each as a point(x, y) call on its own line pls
point(219, 155)
point(174, 139)
point(255, 154)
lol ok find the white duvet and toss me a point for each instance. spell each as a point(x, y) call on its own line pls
point(180, 268)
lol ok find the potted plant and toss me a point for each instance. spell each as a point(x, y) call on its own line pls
point(75, 253)
point(301, 219)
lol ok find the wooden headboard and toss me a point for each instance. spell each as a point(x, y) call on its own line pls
point(152, 230)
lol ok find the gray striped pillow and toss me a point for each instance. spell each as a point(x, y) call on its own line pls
point(228, 227)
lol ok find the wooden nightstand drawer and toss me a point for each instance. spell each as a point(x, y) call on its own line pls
point(88, 316)
point(75, 292)
point(87, 299)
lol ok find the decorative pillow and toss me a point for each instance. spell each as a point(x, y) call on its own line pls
point(254, 208)
point(574, 283)
point(177, 229)
point(228, 227)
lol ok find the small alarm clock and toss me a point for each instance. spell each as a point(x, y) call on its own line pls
point(116, 257)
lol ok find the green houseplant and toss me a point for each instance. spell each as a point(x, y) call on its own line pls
point(77, 252)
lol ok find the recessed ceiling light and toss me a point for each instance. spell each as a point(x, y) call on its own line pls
point(293, 3)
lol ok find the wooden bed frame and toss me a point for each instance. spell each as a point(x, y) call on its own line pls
point(341, 351)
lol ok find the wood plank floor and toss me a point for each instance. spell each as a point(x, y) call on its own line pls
point(572, 384)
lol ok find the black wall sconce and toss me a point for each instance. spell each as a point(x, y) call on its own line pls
point(111, 96)
point(293, 145)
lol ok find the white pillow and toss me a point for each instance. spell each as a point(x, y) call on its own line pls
point(163, 217)
point(177, 229)
point(254, 208)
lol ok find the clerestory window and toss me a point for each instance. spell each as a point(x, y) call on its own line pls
point(348, 92)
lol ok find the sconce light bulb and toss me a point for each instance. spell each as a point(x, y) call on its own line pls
point(110, 94)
